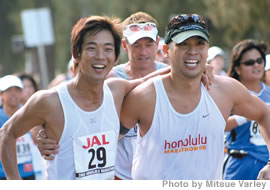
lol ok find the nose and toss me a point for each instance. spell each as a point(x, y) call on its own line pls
point(143, 50)
point(100, 53)
point(192, 50)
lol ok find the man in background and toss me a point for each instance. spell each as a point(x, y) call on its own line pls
point(216, 59)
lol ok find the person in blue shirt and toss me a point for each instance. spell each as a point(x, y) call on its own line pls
point(11, 92)
point(247, 149)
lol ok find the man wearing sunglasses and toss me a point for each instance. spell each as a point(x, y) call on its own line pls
point(181, 124)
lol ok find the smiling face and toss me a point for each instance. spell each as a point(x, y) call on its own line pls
point(189, 57)
point(250, 72)
point(12, 96)
point(142, 52)
point(97, 55)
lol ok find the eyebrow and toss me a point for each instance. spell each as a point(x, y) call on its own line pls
point(94, 43)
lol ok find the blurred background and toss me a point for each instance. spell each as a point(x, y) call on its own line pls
point(229, 22)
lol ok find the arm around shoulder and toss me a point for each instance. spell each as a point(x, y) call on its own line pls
point(138, 106)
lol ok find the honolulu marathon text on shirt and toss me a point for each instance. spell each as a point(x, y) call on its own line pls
point(217, 184)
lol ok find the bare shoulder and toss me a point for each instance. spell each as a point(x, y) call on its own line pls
point(117, 85)
point(143, 93)
point(45, 98)
point(227, 93)
point(44, 104)
point(114, 81)
point(225, 84)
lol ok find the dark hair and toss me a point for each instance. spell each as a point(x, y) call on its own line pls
point(30, 78)
point(238, 51)
point(185, 22)
point(93, 25)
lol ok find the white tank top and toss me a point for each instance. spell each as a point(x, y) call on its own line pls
point(88, 142)
point(181, 146)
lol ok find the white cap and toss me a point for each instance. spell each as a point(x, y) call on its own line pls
point(9, 81)
point(132, 37)
point(267, 62)
point(213, 52)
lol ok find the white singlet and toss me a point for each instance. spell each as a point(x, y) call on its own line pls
point(89, 140)
point(181, 146)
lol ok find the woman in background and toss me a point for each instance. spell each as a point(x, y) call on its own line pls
point(247, 150)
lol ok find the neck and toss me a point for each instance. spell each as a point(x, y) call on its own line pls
point(186, 85)
point(87, 95)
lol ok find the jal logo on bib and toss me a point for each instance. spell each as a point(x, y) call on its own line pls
point(95, 141)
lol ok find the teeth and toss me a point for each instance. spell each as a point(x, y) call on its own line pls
point(191, 61)
point(99, 66)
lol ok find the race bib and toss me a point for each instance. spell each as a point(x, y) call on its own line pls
point(94, 156)
point(255, 135)
point(23, 144)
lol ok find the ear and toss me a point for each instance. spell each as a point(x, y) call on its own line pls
point(76, 59)
point(124, 44)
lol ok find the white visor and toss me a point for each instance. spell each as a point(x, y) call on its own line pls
point(132, 37)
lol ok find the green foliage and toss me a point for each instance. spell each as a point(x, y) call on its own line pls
point(230, 22)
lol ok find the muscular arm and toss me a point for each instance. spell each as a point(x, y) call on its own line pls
point(232, 97)
point(29, 116)
point(138, 107)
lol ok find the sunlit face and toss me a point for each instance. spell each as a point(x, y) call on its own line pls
point(98, 55)
point(252, 72)
point(142, 52)
point(12, 96)
point(189, 57)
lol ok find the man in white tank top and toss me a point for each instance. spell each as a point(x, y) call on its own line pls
point(83, 114)
point(181, 125)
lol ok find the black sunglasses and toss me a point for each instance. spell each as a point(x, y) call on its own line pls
point(187, 18)
point(251, 62)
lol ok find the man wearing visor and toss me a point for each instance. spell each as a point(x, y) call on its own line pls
point(181, 124)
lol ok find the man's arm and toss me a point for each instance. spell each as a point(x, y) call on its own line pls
point(20, 123)
point(138, 107)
